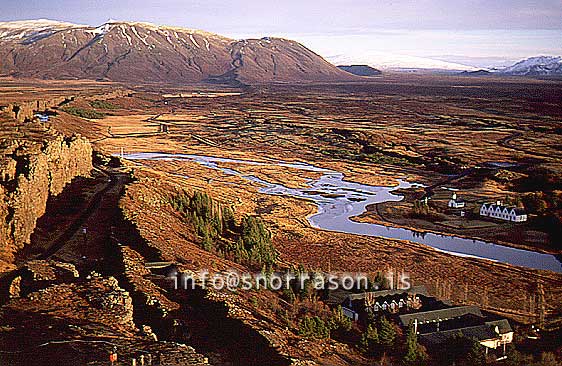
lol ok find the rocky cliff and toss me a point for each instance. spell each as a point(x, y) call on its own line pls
point(24, 111)
point(35, 162)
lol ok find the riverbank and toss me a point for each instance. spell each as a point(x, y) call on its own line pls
point(398, 214)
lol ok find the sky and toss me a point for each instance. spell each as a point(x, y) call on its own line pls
point(477, 31)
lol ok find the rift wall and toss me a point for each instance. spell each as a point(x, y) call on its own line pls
point(23, 111)
point(28, 175)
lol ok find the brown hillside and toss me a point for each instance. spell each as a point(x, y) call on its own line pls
point(142, 52)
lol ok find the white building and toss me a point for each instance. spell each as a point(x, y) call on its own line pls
point(455, 202)
point(507, 213)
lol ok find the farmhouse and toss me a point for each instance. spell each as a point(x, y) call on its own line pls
point(499, 211)
point(456, 202)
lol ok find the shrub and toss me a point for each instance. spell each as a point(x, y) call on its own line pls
point(338, 321)
point(102, 104)
point(250, 242)
point(313, 327)
point(84, 113)
point(415, 354)
point(256, 240)
point(370, 340)
point(289, 295)
point(387, 333)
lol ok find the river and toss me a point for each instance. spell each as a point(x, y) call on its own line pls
point(339, 200)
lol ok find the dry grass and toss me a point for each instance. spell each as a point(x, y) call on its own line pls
point(401, 118)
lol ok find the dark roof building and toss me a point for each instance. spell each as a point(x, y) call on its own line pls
point(439, 315)
point(420, 290)
point(398, 301)
point(491, 335)
point(437, 327)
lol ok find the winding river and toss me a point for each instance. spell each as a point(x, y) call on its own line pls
point(339, 200)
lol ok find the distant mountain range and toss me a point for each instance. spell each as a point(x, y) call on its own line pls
point(480, 62)
point(533, 66)
point(386, 61)
point(143, 52)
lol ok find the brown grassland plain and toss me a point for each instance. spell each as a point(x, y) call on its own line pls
point(416, 127)
point(421, 128)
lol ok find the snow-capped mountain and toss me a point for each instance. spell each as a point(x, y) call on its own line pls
point(144, 52)
point(536, 66)
point(25, 29)
point(395, 62)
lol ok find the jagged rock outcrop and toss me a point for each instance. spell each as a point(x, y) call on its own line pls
point(99, 299)
point(112, 300)
point(81, 321)
point(35, 162)
point(14, 288)
point(66, 159)
point(151, 298)
point(36, 275)
point(108, 95)
point(24, 111)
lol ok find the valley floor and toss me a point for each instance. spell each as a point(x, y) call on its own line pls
point(421, 129)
